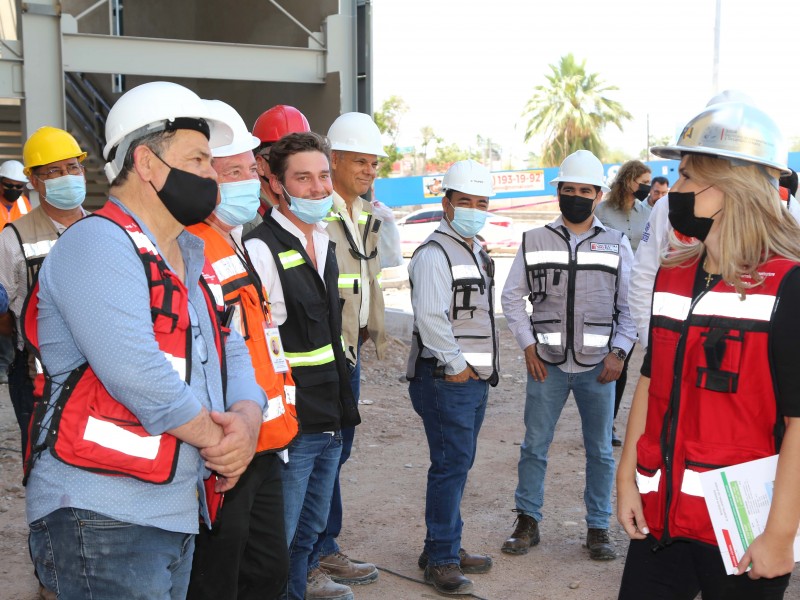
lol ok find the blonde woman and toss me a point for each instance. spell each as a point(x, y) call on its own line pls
point(720, 379)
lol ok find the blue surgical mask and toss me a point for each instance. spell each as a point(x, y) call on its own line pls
point(238, 201)
point(467, 222)
point(309, 211)
point(65, 192)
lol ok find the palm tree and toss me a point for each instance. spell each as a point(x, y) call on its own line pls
point(571, 111)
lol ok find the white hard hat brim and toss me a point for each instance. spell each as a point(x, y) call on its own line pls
point(676, 153)
point(237, 147)
point(577, 179)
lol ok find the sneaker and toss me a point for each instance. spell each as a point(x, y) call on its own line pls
point(448, 579)
point(599, 544)
point(343, 570)
point(470, 563)
point(526, 534)
point(320, 587)
point(615, 440)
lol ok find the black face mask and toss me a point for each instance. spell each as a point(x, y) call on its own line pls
point(575, 209)
point(643, 192)
point(683, 219)
point(11, 195)
point(188, 197)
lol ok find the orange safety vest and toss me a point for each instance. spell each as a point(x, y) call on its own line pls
point(91, 430)
point(20, 207)
point(279, 421)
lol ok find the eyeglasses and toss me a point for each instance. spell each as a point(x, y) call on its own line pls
point(13, 186)
point(56, 172)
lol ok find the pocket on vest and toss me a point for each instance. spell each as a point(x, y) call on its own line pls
point(594, 333)
point(548, 328)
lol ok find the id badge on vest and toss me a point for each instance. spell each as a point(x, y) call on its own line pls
point(273, 337)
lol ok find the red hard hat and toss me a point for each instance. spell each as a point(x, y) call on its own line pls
point(279, 121)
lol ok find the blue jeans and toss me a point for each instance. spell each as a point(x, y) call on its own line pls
point(307, 488)
point(327, 541)
point(452, 414)
point(543, 405)
point(82, 554)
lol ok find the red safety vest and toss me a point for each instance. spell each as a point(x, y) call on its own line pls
point(279, 424)
point(91, 430)
point(712, 397)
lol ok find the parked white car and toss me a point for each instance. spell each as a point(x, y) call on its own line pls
point(497, 235)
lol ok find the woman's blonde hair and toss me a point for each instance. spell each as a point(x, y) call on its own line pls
point(628, 172)
point(754, 225)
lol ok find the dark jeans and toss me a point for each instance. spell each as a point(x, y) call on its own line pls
point(246, 556)
point(452, 414)
point(82, 554)
point(20, 389)
point(620, 383)
point(326, 544)
point(683, 569)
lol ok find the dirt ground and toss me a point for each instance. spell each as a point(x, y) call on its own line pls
point(384, 495)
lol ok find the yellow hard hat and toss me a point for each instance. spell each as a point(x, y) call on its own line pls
point(48, 145)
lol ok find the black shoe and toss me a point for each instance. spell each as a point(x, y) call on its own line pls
point(470, 563)
point(526, 534)
point(448, 579)
point(599, 544)
point(615, 441)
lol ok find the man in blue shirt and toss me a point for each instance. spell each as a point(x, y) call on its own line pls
point(124, 536)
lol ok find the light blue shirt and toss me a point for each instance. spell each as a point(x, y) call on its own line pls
point(94, 305)
point(631, 223)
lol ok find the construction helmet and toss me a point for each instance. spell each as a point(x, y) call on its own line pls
point(13, 170)
point(737, 131)
point(279, 121)
point(356, 132)
point(48, 145)
point(581, 167)
point(243, 140)
point(158, 106)
point(468, 177)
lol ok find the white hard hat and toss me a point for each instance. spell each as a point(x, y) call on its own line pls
point(581, 167)
point(468, 177)
point(13, 169)
point(356, 132)
point(736, 131)
point(243, 140)
point(152, 107)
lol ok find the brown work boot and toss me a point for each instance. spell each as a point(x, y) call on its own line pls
point(343, 570)
point(599, 544)
point(320, 587)
point(470, 563)
point(448, 579)
point(526, 534)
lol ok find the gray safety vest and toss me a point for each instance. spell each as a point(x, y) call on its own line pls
point(574, 296)
point(471, 309)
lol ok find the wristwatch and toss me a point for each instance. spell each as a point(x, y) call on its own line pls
point(619, 353)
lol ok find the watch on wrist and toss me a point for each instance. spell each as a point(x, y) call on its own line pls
point(619, 353)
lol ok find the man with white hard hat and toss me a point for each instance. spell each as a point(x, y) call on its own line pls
point(453, 361)
point(151, 410)
point(14, 200)
point(16, 204)
point(246, 557)
point(575, 273)
point(355, 147)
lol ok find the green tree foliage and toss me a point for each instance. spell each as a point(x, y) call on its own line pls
point(571, 111)
point(388, 121)
point(429, 140)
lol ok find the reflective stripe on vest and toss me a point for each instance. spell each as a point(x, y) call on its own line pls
point(478, 359)
point(22, 206)
point(758, 307)
point(602, 259)
point(363, 217)
point(466, 272)
point(538, 257)
point(379, 279)
point(673, 306)
point(111, 436)
point(549, 339)
point(595, 340)
point(230, 266)
point(648, 483)
point(291, 258)
point(349, 280)
point(691, 483)
point(320, 356)
point(38, 248)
